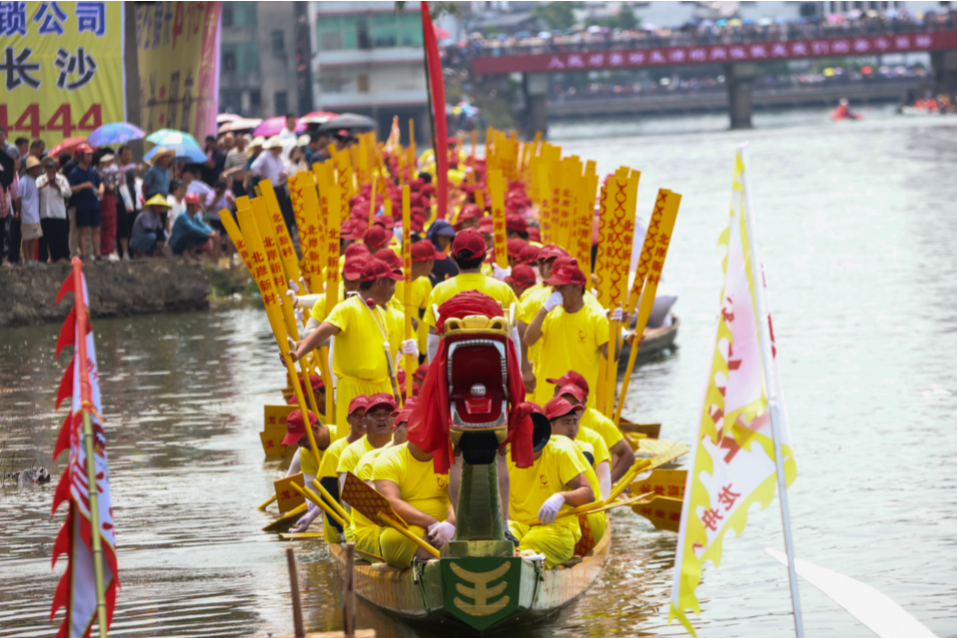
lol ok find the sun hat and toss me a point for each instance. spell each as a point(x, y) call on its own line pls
point(158, 200)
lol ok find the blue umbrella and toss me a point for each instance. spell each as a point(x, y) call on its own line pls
point(185, 152)
point(170, 137)
point(115, 133)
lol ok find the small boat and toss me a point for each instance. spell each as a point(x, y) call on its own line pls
point(654, 342)
point(427, 595)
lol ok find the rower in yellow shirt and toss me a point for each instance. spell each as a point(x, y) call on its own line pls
point(366, 338)
point(529, 304)
point(573, 387)
point(554, 482)
point(424, 256)
point(379, 426)
point(563, 417)
point(367, 531)
point(468, 252)
point(574, 333)
point(405, 475)
point(328, 477)
point(348, 283)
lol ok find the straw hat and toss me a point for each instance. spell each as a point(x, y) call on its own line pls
point(106, 159)
point(259, 140)
point(303, 140)
point(32, 162)
point(163, 152)
point(273, 142)
point(158, 200)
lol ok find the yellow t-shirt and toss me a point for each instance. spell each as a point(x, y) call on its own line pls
point(330, 458)
point(421, 289)
point(497, 290)
point(307, 462)
point(364, 472)
point(590, 475)
point(559, 463)
point(598, 447)
point(601, 425)
point(358, 350)
point(570, 342)
point(419, 485)
point(318, 311)
point(350, 457)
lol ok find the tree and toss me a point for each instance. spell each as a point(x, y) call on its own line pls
point(557, 15)
point(627, 19)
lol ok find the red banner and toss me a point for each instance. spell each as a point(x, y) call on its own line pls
point(717, 53)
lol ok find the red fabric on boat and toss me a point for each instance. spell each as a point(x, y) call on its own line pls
point(437, 84)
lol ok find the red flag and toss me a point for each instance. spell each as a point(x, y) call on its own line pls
point(438, 108)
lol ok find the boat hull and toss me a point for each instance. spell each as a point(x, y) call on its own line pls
point(656, 341)
point(419, 595)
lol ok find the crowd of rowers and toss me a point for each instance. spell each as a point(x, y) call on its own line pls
point(561, 335)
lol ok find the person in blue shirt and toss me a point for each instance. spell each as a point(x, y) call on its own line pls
point(147, 236)
point(190, 235)
point(87, 188)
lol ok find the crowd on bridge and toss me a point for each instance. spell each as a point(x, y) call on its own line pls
point(703, 32)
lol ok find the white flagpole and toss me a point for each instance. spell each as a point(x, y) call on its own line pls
point(770, 383)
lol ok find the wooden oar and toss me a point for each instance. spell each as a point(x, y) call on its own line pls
point(267, 503)
point(594, 508)
point(389, 521)
point(407, 287)
point(287, 520)
point(332, 502)
point(310, 495)
point(292, 536)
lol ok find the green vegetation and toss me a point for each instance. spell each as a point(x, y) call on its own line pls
point(557, 15)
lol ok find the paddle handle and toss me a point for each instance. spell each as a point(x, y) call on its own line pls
point(385, 518)
point(309, 494)
point(333, 503)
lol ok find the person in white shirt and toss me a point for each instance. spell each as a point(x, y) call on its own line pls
point(288, 134)
point(269, 164)
point(54, 189)
point(177, 203)
point(28, 208)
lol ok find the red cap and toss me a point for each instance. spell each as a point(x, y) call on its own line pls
point(352, 269)
point(192, 198)
point(295, 428)
point(534, 234)
point(388, 256)
point(469, 211)
point(573, 390)
point(516, 222)
point(351, 229)
point(486, 225)
point(529, 254)
point(380, 399)
point(421, 371)
point(357, 250)
point(425, 251)
point(452, 141)
point(551, 251)
point(522, 275)
point(84, 148)
point(515, 247)
point(558, 407)
point(567, 273)
point(571, 378)
point(402, 416)
point(361, 401)
point(377, 269)
point(469, 244)
point(386, 221)
point(360, 210)
point(376, 237)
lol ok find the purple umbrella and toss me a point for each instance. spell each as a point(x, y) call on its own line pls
point(274, 125)
point(115, 133)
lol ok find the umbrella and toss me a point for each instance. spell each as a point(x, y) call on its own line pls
point(115, 133)
point(348, 121)
point(274, 125)
point(170, 138)
point(185, 152)
point(242, 124)
point(441, 33)
point(317, 117)
point(222, 118)
point(66, 145)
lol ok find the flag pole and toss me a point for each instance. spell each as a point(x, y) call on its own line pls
point(770, 382)
point(86, 402)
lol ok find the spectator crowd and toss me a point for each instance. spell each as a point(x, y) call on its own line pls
point(98, 203)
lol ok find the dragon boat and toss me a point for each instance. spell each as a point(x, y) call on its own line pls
point(478, 584)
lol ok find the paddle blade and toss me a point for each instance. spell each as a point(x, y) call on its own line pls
point(366, 500)
point(875, 610)
point(287, 520)
point(287, 498)
point(663, 512)
point(663, 483)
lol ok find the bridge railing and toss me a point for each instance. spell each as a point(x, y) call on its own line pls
point(706, 36)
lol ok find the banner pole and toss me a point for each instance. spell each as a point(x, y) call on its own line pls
point(770, 382)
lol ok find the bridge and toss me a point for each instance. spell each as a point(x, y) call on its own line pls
point(739, 59)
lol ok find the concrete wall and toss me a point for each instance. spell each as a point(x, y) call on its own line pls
point(116, 289)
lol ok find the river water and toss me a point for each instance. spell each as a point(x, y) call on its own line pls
point(859, 237)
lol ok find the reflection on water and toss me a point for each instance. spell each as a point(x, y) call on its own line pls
point(858, 235)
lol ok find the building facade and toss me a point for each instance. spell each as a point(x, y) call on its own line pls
point(264, 59)
point(369, 60)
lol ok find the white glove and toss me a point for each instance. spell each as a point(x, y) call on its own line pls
point(549, 510)
point(410, 346)
point(441, 533)
point(293, 286)
point(303, 524)
point(299, 316)
point(555, 299)
point(292, 297)
point(616, 314)
point(501, 273)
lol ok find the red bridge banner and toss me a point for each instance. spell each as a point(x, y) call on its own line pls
point(716, 53)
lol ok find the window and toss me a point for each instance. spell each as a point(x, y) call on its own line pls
point(239, 14)
point(331, 41)
point(363, 83)
point(362, 34)
point(227, 14)
point(281, 103)
point(277, 42)
point(240, 57)
point(229, 62)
